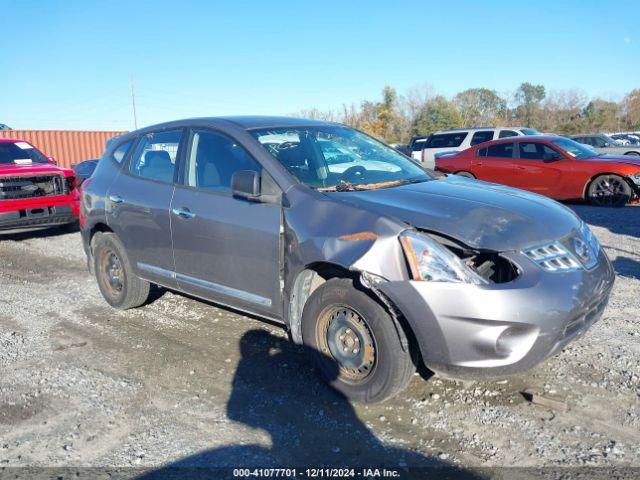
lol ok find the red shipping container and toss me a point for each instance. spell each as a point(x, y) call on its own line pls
point(66, 146)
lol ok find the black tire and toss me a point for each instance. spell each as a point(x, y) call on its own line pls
point(465, 174)
point(609, 191)
point(386, 367)
point(633, 154)
point(119, 286)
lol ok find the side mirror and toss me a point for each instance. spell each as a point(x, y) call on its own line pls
point(246, 184)
point(53, 160)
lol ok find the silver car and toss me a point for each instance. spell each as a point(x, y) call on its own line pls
point(370, 261)
point(602, 143)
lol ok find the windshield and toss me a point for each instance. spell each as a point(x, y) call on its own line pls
point(530, 131)
point(338, 158)
point(575, 149)
point(20, 153)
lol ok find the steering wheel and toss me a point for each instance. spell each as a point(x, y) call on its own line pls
point(286, 145)
point(354, 174)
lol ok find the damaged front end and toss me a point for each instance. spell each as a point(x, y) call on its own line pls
point(484, 314)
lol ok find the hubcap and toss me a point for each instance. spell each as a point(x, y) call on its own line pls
point(345, 336)
point(112, 274)
point(608, 191)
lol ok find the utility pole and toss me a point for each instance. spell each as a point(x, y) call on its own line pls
point(133, 104)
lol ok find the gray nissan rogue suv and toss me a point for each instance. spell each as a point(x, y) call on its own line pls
point(365, 257)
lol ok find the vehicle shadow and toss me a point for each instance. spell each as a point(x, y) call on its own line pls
point(310, 424)
point(625, 221)
point(627, 267)
point(48, 232)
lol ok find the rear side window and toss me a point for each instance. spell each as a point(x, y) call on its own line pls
point(500, 150)
point(214, 158)
point(155, 156)
point(535, 151)
point(446, 140)
point(120, 152)
point(507, 133)
point(481, 137)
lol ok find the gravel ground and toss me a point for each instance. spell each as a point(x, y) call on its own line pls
point(183, 382)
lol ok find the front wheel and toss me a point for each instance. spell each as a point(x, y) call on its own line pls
point(633, 154)
point(354, 343)
point(609, 191)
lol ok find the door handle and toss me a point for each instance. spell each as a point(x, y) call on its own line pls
point(183, 212)
point(116, 199)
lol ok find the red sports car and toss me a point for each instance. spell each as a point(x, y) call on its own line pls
point(557, 167)
point(34, 192)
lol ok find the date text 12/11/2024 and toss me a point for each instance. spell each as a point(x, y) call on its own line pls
point(315, 473)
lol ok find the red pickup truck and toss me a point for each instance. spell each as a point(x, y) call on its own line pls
point(34, 192)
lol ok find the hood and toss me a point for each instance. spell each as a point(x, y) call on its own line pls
point(480, 215)
point(32, 169)
point(607, 158)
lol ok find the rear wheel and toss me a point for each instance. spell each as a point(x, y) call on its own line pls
point(354, 343)
point(633, 154)
point(609, 191)
point(119, 286)
point(466, 174)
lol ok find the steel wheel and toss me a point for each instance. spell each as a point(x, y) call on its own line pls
point(111, 272)
point(344, 335)
point(609, 191)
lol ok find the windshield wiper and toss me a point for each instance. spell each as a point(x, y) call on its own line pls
point(343, 186)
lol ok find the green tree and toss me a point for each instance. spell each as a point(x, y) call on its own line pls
point(438, 113)
point(480, 106)
point(528, 98)
point(382, 119)
point(632, 109)
point(602, 115)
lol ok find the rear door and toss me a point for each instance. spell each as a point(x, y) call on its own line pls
point(226, 249)
point(138, 205)
point(537, 170)
point(494, 163)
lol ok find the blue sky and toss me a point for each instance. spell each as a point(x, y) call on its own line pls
point(67, 64)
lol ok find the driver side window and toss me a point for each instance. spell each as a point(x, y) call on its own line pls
point(536, 151)
point(213, 159)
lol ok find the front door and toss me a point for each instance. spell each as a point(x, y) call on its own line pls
point(538, 169)
point(138, 205)
point(226, 249)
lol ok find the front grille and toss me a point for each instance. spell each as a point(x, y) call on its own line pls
point(14, 188)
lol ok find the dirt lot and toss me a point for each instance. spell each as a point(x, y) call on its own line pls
point(183, 381)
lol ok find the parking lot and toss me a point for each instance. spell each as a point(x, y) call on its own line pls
point(183, 382)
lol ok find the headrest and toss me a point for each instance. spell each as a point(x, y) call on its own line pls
point(157, 157)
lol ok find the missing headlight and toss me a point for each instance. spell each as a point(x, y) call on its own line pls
point(493, 267)
point(490, 266)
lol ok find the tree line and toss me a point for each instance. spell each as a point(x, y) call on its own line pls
point(396, 118)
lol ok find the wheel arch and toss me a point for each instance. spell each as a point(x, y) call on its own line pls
point(99, 227)
point(596, 175)
point(316, 274)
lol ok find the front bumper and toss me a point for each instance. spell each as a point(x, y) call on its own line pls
point(38, 212)
point(470, 332)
